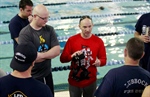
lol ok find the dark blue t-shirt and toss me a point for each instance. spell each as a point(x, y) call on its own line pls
point(15, 26)
point(125, 81)
point(144, 20)
point(11, 86)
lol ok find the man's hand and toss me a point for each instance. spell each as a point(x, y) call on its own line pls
point(97, 62)
point(145, 38)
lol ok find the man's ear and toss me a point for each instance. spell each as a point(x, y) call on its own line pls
point(79, 25)
point(33, 63)
point(143, 54)
point(21, 9)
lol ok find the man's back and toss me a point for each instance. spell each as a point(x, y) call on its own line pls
point(125, 81)
point(21, 87)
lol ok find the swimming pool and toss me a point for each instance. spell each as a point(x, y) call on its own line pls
point(114, 24)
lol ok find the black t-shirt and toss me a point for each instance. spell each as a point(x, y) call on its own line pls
point(43, 39)
point(144, 20)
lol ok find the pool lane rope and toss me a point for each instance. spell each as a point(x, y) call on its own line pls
point(76, 2)
point(109, 63)
point(64, 68)
point(64, 38)
point(93, 16)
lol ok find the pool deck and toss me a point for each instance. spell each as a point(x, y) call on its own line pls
point(62, 94)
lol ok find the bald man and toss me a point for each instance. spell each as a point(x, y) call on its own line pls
point(44, 38)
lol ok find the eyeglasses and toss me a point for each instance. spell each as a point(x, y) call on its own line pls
point(46, 18)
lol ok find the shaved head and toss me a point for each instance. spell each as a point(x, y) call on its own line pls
point(40, 10)
point(40, 16)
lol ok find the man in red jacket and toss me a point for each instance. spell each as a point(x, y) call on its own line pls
point(86, 52)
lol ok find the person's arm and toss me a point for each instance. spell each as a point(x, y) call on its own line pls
point(15, 26)
point(144, 38)
point(55, 47)
point(16, 39)
point(66, 55)
point(146, 92)
point(101, 60)
point(50, 54)
point(14, 31)
point(137, 34)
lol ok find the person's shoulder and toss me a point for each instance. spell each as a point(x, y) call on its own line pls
point(115, 72)
point(96, 38)
point(41, 85)
point(144, 71)
point(5, 78)
point(75, 36)
point(15, 18)
point(116, 69)
point(146, 15)
point(26, 28)
point(48, 27)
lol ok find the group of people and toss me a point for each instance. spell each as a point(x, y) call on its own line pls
point(36, 44)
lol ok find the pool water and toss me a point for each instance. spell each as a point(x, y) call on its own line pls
point(118, 16)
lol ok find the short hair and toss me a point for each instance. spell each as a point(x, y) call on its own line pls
point(24, 3)
point(135, 48)
point(84, 17)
